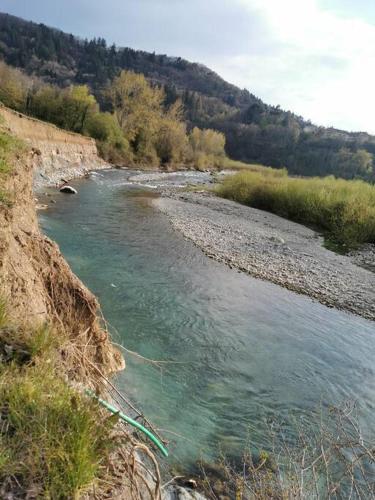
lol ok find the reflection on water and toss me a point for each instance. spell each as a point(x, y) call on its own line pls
point(245, 350)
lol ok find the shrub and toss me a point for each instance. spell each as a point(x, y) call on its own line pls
point(13, 88)
point(331, 458)
point(112, 145)
point(206, 149)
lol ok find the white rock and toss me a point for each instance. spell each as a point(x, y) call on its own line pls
point(68, 189)
point(174, 492)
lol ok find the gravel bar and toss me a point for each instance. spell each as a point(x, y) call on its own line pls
point(269, 247)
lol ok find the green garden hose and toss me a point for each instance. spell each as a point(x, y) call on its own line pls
point(129, 420)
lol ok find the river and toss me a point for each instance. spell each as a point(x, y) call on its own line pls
point(242, 351)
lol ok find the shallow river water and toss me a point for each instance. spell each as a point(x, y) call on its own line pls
point(243, 350)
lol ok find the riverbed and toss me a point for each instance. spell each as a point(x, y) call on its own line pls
point(275, 249)
point(241, 351)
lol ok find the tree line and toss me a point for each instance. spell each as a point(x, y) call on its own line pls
point(138, 126)
point(254, 131)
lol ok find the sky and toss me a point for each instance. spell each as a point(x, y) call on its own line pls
point(313, 57)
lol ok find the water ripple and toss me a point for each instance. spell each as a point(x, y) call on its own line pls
point(247, 350)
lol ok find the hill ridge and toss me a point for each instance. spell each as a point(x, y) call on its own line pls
point(255, 131)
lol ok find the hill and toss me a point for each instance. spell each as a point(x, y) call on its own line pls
point(254, 131)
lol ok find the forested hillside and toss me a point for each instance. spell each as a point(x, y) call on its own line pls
point(254, 131)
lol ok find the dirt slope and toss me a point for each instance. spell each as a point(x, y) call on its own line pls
point(57, 154)
point(36, 280)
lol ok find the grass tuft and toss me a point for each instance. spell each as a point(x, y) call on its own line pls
point(344, 210)
point(24, 345)
point(54, 442)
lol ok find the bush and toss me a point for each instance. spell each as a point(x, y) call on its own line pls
point(112, 145)
point(329, 458)
point(13, 87)
point(344, 210)
point(207, 141)
point(206, 149)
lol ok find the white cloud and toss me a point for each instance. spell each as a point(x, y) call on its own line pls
point(319, 65)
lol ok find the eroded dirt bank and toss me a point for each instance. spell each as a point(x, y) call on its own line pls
point(39, 287)
point(37, 281)
point(56, 154)
point(271, 248)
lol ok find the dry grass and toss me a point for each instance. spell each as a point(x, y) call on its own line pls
point(205, 162)
point(9, 148)
point(335, 462)
point(343, 210)
point(254, 167)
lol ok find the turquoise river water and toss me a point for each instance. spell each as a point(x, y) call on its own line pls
point(244, 350)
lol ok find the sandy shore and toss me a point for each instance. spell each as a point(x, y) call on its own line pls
point(272, 248)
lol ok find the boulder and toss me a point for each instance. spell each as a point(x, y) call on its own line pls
point(68, 189)
point(174, 492)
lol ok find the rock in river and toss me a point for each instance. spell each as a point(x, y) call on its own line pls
point(68, 189)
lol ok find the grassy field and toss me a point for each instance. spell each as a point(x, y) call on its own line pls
point(343, 210)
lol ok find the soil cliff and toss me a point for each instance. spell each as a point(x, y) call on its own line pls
point(57, 155)
point(35, 278)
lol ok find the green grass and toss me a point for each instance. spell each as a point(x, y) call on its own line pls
point(343, 210)
point(53, 440)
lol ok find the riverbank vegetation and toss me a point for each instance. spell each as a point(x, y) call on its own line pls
point(344, 210)
point(239, 166)
point(334, 459)
point(55, 441)
point(134, 126)
point(37, 455)
point(9, 147)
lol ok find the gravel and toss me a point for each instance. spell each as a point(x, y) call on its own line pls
point(274, 249)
